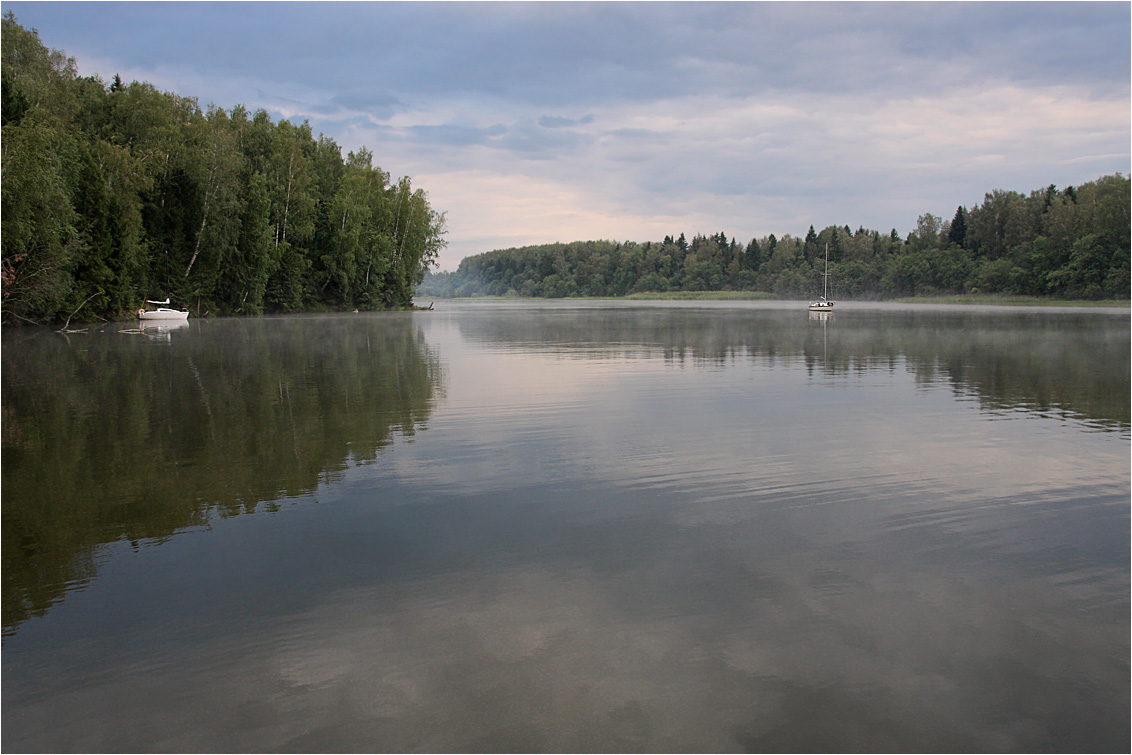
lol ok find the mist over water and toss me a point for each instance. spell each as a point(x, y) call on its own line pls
point(582, 526)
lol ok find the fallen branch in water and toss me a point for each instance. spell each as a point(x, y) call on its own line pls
point(68, 321)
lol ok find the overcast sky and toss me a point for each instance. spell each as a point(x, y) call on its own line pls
point(538, 122)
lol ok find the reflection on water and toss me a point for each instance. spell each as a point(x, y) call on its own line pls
point(1026, 360)
point(545, 527)
point(108, 436)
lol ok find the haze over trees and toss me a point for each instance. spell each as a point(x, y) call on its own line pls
point(1070, 243)
point(113, 194)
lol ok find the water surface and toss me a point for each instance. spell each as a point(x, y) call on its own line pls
point(562, 526)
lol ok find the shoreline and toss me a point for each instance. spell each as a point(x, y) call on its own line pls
point(975, 299)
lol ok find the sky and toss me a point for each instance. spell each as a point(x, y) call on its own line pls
point(538, 122)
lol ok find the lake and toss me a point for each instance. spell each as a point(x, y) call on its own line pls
point(571, 526)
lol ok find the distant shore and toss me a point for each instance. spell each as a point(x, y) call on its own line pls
point(987, 299)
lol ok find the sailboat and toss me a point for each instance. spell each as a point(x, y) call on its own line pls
point(162, 313)
point(823, 304)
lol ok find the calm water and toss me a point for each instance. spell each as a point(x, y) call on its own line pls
point(513, 526)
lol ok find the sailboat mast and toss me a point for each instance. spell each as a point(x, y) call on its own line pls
point(825, 278)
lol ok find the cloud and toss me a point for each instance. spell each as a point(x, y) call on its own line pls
point(382, 106)
point(749, 117)
point(551, 121)
point(454, 135)
point(502, 209)
point(566, 53)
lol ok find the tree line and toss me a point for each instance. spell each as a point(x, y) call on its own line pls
point(1070, 243)
point(114, 194)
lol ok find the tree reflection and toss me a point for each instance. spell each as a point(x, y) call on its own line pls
point(110, 436)
point(1025, 360)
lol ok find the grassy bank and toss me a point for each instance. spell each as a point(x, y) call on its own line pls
point(984, 299)
point(701, 295)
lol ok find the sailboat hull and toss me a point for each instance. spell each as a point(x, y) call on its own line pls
point(162, 313)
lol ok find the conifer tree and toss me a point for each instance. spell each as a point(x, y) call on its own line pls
point(957, 234)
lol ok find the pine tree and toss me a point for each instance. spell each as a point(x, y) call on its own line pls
point(958, 233)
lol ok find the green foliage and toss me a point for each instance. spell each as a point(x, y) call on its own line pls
point(112, 195)
point(41, 241)
point(1070, 244)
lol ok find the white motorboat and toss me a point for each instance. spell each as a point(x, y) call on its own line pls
point(162, 313)
point(823, 304)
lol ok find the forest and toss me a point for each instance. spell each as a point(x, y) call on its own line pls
point(1070, 243)
point(117, 193)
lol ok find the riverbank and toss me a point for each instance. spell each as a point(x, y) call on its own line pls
point(981, 299)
